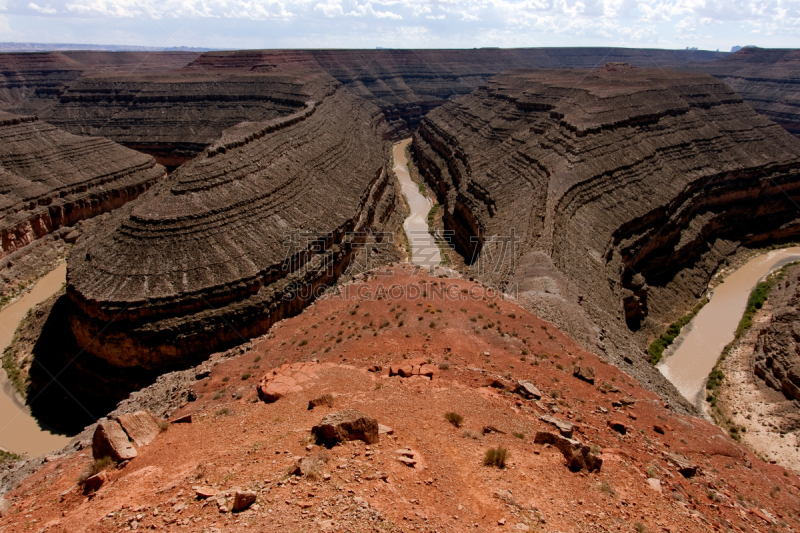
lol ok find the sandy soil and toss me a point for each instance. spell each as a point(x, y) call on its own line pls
point(235, 440)
point(749, 403)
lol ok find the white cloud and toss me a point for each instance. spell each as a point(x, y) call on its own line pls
point(330, 8)
point(47, 10)
point(367, 10)
point(469, 22)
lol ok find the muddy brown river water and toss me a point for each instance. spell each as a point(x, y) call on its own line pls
point(19, 431)
point(691, 358)
point(424, 250)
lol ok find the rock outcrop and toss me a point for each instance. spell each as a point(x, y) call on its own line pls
point(248, 233)
point(777, 349)
point(51, 179)
point(346, 425)
point(615, 191)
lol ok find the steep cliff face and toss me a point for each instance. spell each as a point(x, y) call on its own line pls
point(205, 259)
point(50, 179)
point(633, 185)
point(777, 352)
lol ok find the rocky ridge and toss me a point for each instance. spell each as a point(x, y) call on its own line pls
point(231, 462)
point(624, 189)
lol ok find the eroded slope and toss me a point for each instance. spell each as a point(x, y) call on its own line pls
point(624, 188)
point(666, 472)
point(50, 179)
point(207, 260)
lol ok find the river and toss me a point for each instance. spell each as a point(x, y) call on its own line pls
point(424, 250)
point(691, 358)
point(19, 431)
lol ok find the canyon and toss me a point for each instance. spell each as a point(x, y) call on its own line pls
point(233, 229)
point(623, 189)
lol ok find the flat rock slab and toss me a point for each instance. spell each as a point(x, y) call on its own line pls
point(288, 378)
point(528, 390)
point(565, 428)
point(142, 427)
point(346, 425)
point(110, 440)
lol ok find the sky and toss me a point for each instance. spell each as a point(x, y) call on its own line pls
point(237, 24)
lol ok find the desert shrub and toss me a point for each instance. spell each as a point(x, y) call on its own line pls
point(519, 435)
point(246, 376)
point(454, 418)
point(95, 467)
point(496, 457)
point(470, 434)
point(444, 366)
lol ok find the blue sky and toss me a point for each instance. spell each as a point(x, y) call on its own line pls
point(706, 24)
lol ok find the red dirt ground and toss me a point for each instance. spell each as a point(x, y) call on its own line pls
point(235, 440)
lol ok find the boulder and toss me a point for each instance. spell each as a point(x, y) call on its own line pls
point(243, 499)
point(429, 370)
point(618, 426)
point(404, 371)
point(346, 425)
point(684, 465)
point(141, 427)
point(93, 483)
point(528, 390)
point(565, 428)
point(586, 373)
point(577, 454)
point(110, 440)
point(326, 400)
point(204, 492)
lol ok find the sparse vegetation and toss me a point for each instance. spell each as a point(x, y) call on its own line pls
point(95, 467)
point(657, 347)
point(454, 418)
point(496, 457)
point(246, 376)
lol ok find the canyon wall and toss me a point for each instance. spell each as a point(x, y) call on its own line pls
point(776, 357)
point(624, 189)
point(206, 258)
point(50, 179)
point(174, 104)
point(767, 79)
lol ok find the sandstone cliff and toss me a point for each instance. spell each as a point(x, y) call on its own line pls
point(625, 188)
point(50, 179)
point(204, 260)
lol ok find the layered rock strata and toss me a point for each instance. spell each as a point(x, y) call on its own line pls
point(776, 358)
point(767, 79)
point(173, 104)
point(616, 191)
point(244, 235)
point(50, 179)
